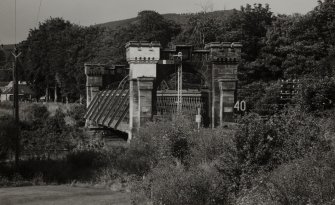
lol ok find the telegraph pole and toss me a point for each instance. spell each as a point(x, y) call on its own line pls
point(16, 85)
point(16, 54)
point(180, 83)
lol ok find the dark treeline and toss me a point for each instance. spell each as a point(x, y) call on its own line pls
point(275, 46)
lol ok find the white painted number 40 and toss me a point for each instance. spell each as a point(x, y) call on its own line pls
point(240, 106)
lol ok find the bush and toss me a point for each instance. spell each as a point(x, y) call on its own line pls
point(84, 166)
point(317, 95)
point(6, 105)
point(260, 145)
point(179, 164)
point(84, 163)
point(309, 180)
point(51, 171)
point(8, 136)
point(77, 113)
point(208, 145)
point(158, 141)
point(269, 103)
point(173, 185)
point(252, 93)
point(36, 112)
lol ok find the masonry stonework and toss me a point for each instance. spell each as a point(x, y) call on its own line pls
point(142, 58)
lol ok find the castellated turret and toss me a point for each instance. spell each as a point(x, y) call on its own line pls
point(142, 58)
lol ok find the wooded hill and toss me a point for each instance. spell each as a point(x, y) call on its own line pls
point(181, 19)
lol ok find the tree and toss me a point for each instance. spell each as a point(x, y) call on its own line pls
point(202, 28)
point(44, 53)
point(307, 42)
point(8, 136)
point(254, 22)
point(150, 26)
point(55, 53)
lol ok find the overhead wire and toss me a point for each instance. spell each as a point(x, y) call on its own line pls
point(38, 13)
point(15, 24)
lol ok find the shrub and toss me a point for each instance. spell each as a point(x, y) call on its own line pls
point(36, 113)
point(56, 123)
point(87, 159)
point(179, 164)
point(262, 145)
point(309, 180)
point(208, 145)
point(8, 136)
point(173, 185)
point(252, 93)
point(6, 105)
point(48, 171)
point(158, 141)
point(269, 103)
point(77, 113)
point(317, 95)
point(84, 163)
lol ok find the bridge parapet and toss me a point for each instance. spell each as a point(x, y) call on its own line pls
point(96, 69)
point(228, 53)
point(142, 52)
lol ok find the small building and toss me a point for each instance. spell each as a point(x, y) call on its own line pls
point(3, 86)
point(25, 92)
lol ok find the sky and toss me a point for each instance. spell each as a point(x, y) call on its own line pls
point(90, 12)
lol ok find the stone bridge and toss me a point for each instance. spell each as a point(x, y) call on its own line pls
point(125, 97)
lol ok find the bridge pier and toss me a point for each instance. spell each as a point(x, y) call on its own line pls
point(141, 102)
point(142, 58)
point(224, 58)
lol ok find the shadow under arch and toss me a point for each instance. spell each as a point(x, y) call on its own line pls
point(192, 77)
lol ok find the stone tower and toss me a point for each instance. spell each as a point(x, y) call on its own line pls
point(94, 80)
point(142, 58)
point(225, 58)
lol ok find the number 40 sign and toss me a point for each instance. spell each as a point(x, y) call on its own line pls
point(241, 106)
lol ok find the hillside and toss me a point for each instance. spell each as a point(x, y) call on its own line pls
point(181, 19)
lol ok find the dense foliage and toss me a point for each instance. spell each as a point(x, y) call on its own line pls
point(54, 53)
point(281, 152)
point(260, 163)
point(274, 46)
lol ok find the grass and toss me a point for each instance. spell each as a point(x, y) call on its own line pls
point(61, 195)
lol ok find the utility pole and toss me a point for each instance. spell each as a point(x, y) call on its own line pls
point(16, 54)
point(180, 83)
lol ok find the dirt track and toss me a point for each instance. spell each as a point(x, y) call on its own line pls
point(61, 195)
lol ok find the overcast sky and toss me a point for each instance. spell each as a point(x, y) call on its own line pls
point(89, 12)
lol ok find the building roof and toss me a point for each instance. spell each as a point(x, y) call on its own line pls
point(24, 89)
point(8, 47)
point(3, 86)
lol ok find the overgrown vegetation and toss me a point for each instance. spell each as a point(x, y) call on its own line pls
point(280, 160)
point(278, 154)
point(261, 163)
